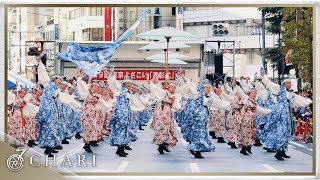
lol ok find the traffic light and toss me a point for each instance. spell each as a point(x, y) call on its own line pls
point(33, 51)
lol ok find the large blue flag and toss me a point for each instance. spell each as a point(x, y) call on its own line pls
point(94, 58)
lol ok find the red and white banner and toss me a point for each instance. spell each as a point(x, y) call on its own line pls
point(138, 74)
point(107, 24)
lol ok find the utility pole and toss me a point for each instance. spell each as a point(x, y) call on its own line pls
point(264, 63)
point(20, 38)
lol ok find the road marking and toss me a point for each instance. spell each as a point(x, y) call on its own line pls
point(194, 167)
point(184, 142)
point(297, 144)
point(270, 168)
point(292, 146)
point(123, 166)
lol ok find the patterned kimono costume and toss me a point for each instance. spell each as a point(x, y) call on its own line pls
point(77, 127)
point(17, 123)
point(63, 120)
point(233, 123)
point(217, 122)
point(199, 128)
point(162, 123)
point(248, 123)
point(120, 121)
point(31, 124)
point(48, 118)
point(70, 121)
point(89, 118)
point(278, 138)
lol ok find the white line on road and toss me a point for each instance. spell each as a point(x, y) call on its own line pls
point(270, 168)
point(194, 167)
point(291, 146)
point(297, 144)
point(123, 166)
point(184, 142)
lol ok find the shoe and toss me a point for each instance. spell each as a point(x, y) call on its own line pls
point(47, 151)
point(65, 141)
point(120, 152)
point(265, 148)
point(271, 151)
point(278, 156)
point(221, 140)
point(160, 149)
point(53, 151)
point(127, 148)
point(144, 125)
point(140, 128)
point(258, 143)
point(283, 154)
point(94, 143)
point(192, 152)
point(165, 148)
point(33, 143)
point(78, 136)
point(243, 151)
point(198, 155)
point(229, 143)
point(213, 135)
point(50, 155)
point(58, 147)
point(87, 148)
point(69, 138)
point(249, 149)
point(233, 145)
point(30, 144)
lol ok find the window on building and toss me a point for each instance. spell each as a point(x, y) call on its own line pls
point(99, 11)
point(93, 34)
point(71, 14)
point(96, 11)
point(85, 34)
point(173, 11)
point(97, 34)
point(77, 13)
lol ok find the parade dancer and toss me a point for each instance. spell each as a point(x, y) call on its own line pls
point(286, 101)
point(162, 123)
point(63, 121)
point(30, 112)
point(48, 118)
point(198, 112)
point(248, 112)
point(120, 118)
point(17, 123)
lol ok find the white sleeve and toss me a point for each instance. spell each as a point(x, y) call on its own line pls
point(30, 110)
point(145, 101)
point(244, 97)
point(177, 104)
point(273, 88)
point(69, 100)
point(228, 88)
point(43, 76)
point(192, 89)
point(261, 91)
point(114, 85)
point(83, 88)
point(156, 92)
point(104, 106)
point(226, 97)
point(244, 85)
point(135, 104)
point(300, 101)
point(217, 103)
point(262, 111)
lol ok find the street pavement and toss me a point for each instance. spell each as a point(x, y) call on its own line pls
point(144, 158)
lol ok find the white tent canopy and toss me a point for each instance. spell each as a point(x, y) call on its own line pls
point(173, 33)
point(163, 45)
point(171, 55)
point(170, 61)
point(14, 77)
